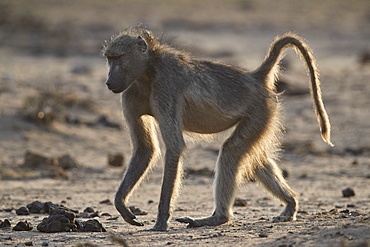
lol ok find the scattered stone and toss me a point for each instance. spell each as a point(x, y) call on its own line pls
point(36, 207)
point(23, 226)
point(103, 120)
point(333, 211)
point(28, 243)
point(137, 211)
point(66, 162)
point(44, 244)
point(116, 159)
point(150, 201)
point(113, 218)
point(240, 202)
point(90, 226)
point(35, 160)
point(5, 223)
point(354, 213)
point(351, 206)
point(285, 173)
point(348, 192)
point(62, 219)
point(364, 57)
point(57, 223)
point(22, 211)
point(262, 235)
point(106, 214)
point(89, 210)
point(107, 201)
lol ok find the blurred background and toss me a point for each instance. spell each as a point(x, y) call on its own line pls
point(52, 92)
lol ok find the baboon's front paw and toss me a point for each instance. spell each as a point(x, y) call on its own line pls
point(191, 223)
point(281, 218)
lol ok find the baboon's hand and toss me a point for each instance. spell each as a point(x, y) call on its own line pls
point(191, 223)
point(128, 216)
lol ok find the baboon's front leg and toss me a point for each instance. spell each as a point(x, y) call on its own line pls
point(138, 165)
point(145, 144)
point(170, 126)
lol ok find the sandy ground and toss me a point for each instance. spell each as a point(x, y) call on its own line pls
point(50, 50)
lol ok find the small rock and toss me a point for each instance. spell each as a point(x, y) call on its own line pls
point(113, 218)
point(354, 213)
point(262, 235)
point(116, 159)
point(23, 226)
point(240, 202)
point(35, 160)
point(90, 226)
point(285, 173)
point(103, 120)
point(107, 201)
point(45, 244)
point(28, 243)
point(57, 223)
point(348, 192)
point(22, 211)
point(36, 207)
point(66, 162)
point(5, 223)
point(89, 210)
point(137, 211)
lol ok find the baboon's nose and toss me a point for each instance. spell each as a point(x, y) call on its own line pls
point(108, 84)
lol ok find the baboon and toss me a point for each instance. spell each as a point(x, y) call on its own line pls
point(182, 93)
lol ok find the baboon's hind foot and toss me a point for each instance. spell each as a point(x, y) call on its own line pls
point(289, 214)
point(209, 221)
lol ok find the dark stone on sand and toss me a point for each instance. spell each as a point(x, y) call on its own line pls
point(240, 202)
point(22, 211)
point(57, 223)
point(5, 223)
point(23, 226)
point(348, 192)
point(90, 226)
point(89, 210)
point(137, 211)
point(36, 207)
point(116, 159)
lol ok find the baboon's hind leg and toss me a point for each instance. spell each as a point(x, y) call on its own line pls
point(271, 177)
point(229, 172)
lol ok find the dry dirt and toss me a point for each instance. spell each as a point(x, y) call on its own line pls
point(53, 101)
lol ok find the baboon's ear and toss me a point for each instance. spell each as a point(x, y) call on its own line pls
point(141, 44)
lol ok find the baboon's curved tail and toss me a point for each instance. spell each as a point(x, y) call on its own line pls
point(269, 69)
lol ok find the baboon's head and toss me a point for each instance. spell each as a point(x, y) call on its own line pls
point(127, 56)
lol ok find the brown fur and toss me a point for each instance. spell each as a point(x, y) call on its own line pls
point(182, 93)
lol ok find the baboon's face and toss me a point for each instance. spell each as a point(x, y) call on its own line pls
point(127, 58)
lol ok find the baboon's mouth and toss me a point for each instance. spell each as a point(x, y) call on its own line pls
point(116, 90)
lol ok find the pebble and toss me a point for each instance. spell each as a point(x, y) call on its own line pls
point(348, 192)
point(5, 223)
point(22, 211)
point(262, 235)
point(23, 226)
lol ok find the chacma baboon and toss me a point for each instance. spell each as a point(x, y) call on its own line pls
point(182, 93)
